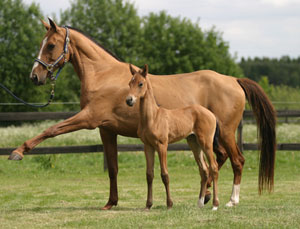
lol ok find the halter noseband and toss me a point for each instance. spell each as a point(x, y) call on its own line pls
point(50, 67)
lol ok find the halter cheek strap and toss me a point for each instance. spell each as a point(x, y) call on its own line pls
point(50, 67)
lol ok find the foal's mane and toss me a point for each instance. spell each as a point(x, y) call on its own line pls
point(96, 42)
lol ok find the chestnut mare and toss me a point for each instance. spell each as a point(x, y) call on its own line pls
point(104, 85)
point(159, 126)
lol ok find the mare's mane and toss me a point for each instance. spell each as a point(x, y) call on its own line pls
point(96, 42)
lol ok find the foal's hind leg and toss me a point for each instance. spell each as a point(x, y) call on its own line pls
point(213, 169)
point(203, 168)
point(162, 153)
point(196, 149)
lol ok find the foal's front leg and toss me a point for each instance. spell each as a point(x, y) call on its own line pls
point(162, 153)
point(150, 156)
point(76, 122)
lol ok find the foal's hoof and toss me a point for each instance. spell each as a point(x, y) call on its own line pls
point(15, 156)
point(207, 197)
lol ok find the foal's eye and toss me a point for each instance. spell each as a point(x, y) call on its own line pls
point(141, 84)
point(50, 46)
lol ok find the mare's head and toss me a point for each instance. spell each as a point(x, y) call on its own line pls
point(53, 53)
point(138, 85)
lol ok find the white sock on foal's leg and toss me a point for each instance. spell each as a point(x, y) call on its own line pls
point(235, 196)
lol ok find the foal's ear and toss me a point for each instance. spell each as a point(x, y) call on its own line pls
point(52, 24)
point(145, 70)
point(46, 25)
point(132, 70)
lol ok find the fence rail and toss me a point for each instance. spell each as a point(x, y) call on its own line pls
point(33, 116)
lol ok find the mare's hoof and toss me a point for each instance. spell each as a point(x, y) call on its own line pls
point(109, 205)
point(231, 204)
point(15, 157)
point(215, 208)
point(207, 197)
point(146, 209)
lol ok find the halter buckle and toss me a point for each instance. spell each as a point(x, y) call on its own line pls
point(50, 68)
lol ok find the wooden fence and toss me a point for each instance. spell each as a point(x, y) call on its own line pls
point(32, 116)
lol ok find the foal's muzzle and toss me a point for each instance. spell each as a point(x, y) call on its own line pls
point(130, 101)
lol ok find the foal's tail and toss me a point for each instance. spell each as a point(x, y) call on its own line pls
point(216, 138)
point(266, 120)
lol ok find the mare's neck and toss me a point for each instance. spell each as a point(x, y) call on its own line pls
point(148, 107)
point(90, 61)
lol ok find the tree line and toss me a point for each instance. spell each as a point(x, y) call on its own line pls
point(279, 71)
point(168, 44)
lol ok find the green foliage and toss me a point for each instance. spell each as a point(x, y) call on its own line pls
point(168, 44)
point(174, 45)
point(20, 35)
point(283, 71)
point(113, 23)
point(264, 83)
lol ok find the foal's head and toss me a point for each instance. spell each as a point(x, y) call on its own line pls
point(51, 48)
point(138, 85)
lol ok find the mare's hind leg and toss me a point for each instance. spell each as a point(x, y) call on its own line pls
point(196, 149)
point(221, 158)
point(150, 156)
point(162, 153)
point(237, 162)
point(203, 168)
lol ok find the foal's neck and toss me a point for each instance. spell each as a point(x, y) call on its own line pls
point(148, 106)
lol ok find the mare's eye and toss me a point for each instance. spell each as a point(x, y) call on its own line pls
point(50, 46)
point(141, 84)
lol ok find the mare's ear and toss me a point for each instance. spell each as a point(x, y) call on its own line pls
point(46, 25)
point(132, 70)
point(145, 70)
point(52, 24)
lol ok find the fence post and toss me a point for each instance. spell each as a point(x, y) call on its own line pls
point(240, 136)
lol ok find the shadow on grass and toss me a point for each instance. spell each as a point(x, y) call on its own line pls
point(74, 209)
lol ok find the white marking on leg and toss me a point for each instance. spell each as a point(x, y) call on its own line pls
point(215, 208)
point(40, 54)
point(201, 202)
point(235, 196)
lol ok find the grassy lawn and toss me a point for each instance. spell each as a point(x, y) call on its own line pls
point(67, 191)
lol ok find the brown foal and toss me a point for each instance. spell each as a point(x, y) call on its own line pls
point(159, 126)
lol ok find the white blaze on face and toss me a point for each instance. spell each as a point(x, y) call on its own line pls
point(40, 54)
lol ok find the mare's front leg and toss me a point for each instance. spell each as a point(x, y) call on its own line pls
point(150, 156)
point(76, 122)
point(109, 140)
point(162, 153)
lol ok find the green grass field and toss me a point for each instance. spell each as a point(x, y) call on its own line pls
point(67, 191)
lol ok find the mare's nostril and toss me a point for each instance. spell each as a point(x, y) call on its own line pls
point(34, 78)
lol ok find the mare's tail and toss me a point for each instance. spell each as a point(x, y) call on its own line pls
point(266, 120)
